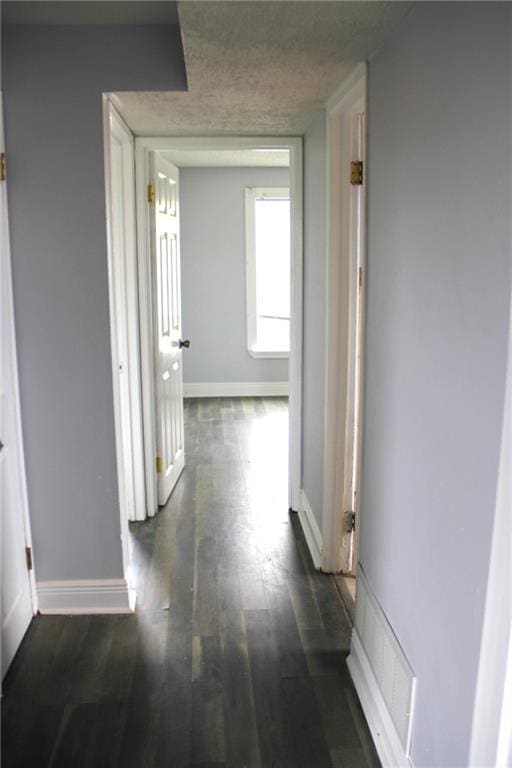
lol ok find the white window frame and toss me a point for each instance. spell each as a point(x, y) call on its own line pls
point(251, 195)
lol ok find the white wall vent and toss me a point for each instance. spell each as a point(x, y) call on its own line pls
point(393, 673)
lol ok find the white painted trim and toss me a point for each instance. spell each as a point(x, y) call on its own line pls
point(85, 596)
point(9, 338)
point(296, 315)
point(116, 130)
point(340, 286)
point(311, 530)
point(144, 146)
point(379, 720)
point(236, 389)
point(146, 326)
point(352, 80)
point(270, 354)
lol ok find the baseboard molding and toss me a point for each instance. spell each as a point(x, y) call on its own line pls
point(311, 530)
point(385, 737)
point(236, 389)
point(86, 596)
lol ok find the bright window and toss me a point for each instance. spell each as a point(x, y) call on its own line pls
point(268, 271)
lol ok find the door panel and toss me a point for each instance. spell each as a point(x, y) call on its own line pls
point(167, 324)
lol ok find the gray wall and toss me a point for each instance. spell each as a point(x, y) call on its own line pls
point(214, 315)
point(52, 79)
point(314, 345)
point(438, 300)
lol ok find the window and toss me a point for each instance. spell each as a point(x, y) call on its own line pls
point(267, 217)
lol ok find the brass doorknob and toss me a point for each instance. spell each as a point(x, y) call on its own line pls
point(184, 343)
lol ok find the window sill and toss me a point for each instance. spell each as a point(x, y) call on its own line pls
point(269, 353)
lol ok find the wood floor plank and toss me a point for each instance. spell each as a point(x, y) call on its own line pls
point(236, 656)
point(274, 732)
point(310, 744)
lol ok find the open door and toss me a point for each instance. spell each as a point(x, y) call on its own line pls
point(356, 224)
point(17, 608)
point(163, 197)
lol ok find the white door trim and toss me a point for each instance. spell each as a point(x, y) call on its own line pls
point(115, 129)
point(9, 339)
point(143, 147)
point(341, 282)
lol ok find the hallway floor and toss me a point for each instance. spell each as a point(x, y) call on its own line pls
point(236, 655)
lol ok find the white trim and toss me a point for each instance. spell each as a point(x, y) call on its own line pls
point(144, 146)
point(351, 81)
point(341, 283)
point(9, 337)
point(132, 508)
point(236, 389)
point(269, 354)
point(85, 596)
point(311, 530)
point(379, 720)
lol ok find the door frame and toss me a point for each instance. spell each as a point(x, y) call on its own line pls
point(8, 330)
point(115, 128)
point(342, 282)
point(143, 147)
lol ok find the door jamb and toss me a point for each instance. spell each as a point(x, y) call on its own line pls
point(143, 147)
point(9, 334)
point(341, 280)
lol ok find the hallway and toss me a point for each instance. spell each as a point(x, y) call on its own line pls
point(236, 655)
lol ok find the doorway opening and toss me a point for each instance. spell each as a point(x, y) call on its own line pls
point(346, 142)
point(243, 330)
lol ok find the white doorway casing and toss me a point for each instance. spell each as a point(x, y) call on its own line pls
point(144, 150)
point(122, 266)
point(19, 601)
point(345, 313)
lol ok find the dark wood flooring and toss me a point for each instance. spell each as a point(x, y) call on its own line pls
point(236, 654)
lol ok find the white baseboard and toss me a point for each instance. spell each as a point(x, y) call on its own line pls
point(311, 530)
point(385, 737)
point(236, 389)
point(86, 596)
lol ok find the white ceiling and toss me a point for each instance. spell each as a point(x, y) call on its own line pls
point(229, 158)
point(260, 67)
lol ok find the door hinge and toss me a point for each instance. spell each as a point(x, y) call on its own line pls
point(3, 167)
point(151, 193)
point(349, 522)
point(28, 556)
point(360, 273)
point(356, 172)
point(159, 464)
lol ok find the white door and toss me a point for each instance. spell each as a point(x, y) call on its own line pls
point(166, 283)
point(352, 441)
point(16, 590)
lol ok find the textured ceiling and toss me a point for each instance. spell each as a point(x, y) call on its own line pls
point(229, 158)
point(260, 68)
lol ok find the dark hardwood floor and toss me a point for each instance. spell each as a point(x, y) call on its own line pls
point(236, 654)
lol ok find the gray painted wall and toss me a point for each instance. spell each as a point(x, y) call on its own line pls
point(438, 302)
point(52, 78)
point(214, 317)
point(315, 264)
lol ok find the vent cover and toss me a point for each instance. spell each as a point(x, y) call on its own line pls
point(392, 671)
